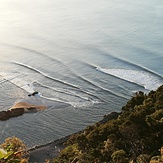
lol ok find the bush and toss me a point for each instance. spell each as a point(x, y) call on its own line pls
point(13, 150)
point(119, 156)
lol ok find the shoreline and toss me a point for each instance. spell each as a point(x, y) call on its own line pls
point(41, 153)
point(48, 151)
point(57, 141)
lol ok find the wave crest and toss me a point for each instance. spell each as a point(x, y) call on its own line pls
point(147, 80)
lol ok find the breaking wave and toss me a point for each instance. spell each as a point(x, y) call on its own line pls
point(148, 80)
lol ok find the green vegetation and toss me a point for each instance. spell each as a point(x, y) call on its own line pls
point(136, 135)
point(13, 150)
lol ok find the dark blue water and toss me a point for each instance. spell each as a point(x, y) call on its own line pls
point(90, 56)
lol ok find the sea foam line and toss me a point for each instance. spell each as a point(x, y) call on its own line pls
point(44, 74)
point(127, 62)
point(61, 91)
point(54, 79)
point(148, 80)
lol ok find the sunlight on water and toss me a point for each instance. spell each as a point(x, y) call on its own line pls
point(85, 58)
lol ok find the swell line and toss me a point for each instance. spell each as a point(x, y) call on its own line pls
point(143, 68)
point(30, 50)
point(83, 91)
point(100, 70)
point(59, 91)
point(57, 100)
point(45, 75)
point(95, 85)
point(125, 61)
point(6, 79)
point(141, 78)
point(106, 90)
point(51, 78)
point(138, 66)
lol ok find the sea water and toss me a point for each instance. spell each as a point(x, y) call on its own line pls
point(85, 58)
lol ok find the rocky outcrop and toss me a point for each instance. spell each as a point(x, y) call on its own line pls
point(16, 112)
point(20, 108)
point(109, 117)
point(33, 94)
point(4, 115)
point(30, 110)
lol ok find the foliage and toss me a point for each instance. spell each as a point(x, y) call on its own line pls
point(143, 158)
point(158, 159)
point(134, 136)
point(13, 150)
point(119, 156)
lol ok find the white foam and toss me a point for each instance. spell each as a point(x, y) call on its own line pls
point(147, 80)
point(84, 103)
point(18, 80)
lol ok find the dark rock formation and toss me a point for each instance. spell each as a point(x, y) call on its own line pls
point(31, 110)
point(111, 116)
point(4, 115)
point(20, 108)
point(16, 112)
point(33, 94)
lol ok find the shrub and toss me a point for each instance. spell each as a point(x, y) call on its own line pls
point(13, 150)
point(119, 156)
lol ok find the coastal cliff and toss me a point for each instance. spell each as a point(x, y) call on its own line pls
point(133, 135)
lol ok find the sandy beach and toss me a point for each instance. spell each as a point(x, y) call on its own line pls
point(26, 106)
point(40, 154)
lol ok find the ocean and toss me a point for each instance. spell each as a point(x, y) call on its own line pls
point(85, 58)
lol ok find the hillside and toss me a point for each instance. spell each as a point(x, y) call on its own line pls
point(133, 135)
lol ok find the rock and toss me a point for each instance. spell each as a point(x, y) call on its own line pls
point(33, 94)
point(3, 115)
point(109, 117)
point(19, 109)
point(17, 112)
point(8, 112)
point(31, 110)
